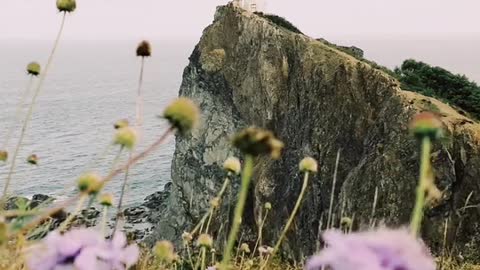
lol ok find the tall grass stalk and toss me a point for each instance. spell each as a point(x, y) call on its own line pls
point(417, 215)
point(292, 216)
point(260, 233)
point(374, 208)
point(246, 178)
point(332, 192)
point(30, 111)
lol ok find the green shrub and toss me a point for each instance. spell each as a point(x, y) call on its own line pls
point(280, 21)
point(440, 83)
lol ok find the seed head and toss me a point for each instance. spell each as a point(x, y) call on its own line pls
point(144, 49)
point(215, 202)
point(126, 137)
point(205, 240)
point(106, 199)
point(308, 164)
point(346, 222)
point(66, 5)
point(187, 237)
point(265, 250)
point(232, 164)
point(182, 114)
point(255, 141)
point(121, 124)
point(426, 124)
point(164, 251)
point(268, 206)
point(33, 159)
point(245, 248)
point(33, 69)
point(90, 183)
point(3, 155)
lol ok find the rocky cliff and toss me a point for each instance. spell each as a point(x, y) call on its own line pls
point(318, 100)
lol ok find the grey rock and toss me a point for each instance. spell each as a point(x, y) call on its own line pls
point(318, 100)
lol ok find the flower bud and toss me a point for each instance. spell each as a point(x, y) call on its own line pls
point(164, 251)
point(121, 124)
point(126, 137)
point(232, 164)
point(90, 183)
point(33, 69)
point(32, 159)
point(346, 222)
point(187, 237)
point(182, 114)
point(308, 164)
point(268, 206)
point(215, 202)
point(144, 49)
point(3, 155)
point(205, 240)
point(255, 141)
point(265, 250)
point(106, 199)
point(245, 248)
point(66, 5)
point(426, 124)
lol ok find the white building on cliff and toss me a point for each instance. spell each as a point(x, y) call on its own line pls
point(250, 5)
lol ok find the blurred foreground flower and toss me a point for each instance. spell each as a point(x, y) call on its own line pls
point(182, 114)
point(144, 49)
point(3, 156)
point(33, 159)
point(66, 5)
point(83, 249)
point(126, 137)
point(256, 141)
point(121, 124)
point(375, 250)
point(33, 69)
point(426, 124)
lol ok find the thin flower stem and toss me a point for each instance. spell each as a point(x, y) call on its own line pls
point(209, 219)
point(260, 233)
point(189, 255)
point(292, 216)
point(417, 215)
point(30, 112)
point(246, 177)
point(332, 193)
point(242, 258)
point(139, 103)
point(17, 112)
point(104, 220)
point(119, 215)
point(72, 215)
point(374, 207)
point(204, 254)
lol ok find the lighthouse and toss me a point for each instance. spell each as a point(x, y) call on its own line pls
point(250, 5)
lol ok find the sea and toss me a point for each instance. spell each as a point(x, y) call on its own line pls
point(92, 84)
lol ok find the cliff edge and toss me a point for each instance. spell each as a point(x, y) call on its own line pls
point(318, 100)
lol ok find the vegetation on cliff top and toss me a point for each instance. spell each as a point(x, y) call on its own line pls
point(280, 21)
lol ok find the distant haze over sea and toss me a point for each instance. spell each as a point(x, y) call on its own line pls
point(92, 84)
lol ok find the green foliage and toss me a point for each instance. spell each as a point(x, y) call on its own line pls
point(280, 21)
point(440, 83)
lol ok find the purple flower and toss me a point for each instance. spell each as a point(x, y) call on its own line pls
point(82, 249)
point(374, 250)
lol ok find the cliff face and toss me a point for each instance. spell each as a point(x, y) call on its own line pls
point(318, 100)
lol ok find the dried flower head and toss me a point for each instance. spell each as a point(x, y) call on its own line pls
point(32, 159)
point(66, 5)
point(346, 222)
point(126, 137)
point(164, 251)
point(215, 202)
point(232, 165)
point(121, 124)
point(3, 155)
point(33, 68)
point(183, 114)
point(106, 199)
point(256, 141)
point(187, 237)
point(308, 164)
point(245, 248)
point(268, 206)
point(265, 250)
point(144, 49)
point(382, 249)
point(205, 240)
point(90, 183)
point(426, 124)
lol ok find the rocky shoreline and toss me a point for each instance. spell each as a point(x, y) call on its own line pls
point(138, 219)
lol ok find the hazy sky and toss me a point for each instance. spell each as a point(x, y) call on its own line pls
point(159, 19)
